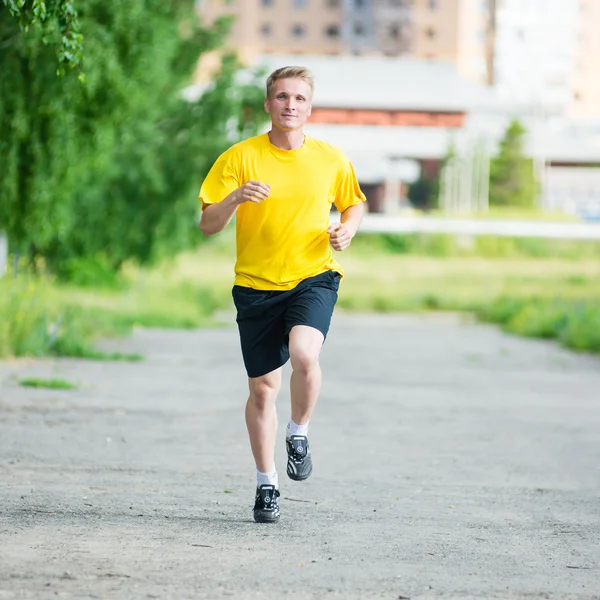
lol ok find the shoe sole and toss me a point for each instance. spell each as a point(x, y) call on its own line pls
point(295, 477)
point(265, 517)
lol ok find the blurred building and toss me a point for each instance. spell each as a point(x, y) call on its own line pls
point(586, 76)
point(453, 30)
point(400, 81)
point(545, 53)
point(398, 118)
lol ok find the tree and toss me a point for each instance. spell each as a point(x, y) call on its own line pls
point(425, 191)
point(512, 179)
point(422, 193)
point(56, 20)
point(109, 170)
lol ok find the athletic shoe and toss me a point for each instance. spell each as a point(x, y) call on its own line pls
point(266, 505)
point(299, 463)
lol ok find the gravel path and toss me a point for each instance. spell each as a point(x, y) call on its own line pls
point(451, 461)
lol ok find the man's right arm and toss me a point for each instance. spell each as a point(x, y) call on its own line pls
point(215, 217)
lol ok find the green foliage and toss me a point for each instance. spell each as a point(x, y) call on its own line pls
point(92, 272)
point(552, 297)
point(41, 318)
point(573, 322)
point(51, 384)
point(30, 323)
point(512, 179)
point(423, 193)
point(448, 245)
point(57, 22)
point(110, 170)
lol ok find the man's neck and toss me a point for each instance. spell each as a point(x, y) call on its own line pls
point(287, 140)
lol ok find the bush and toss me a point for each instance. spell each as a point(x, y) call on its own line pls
point(95, 272)
point(31, 324)
point(574, 323)
point(512, 180)
point(41, 318)
point(485, 246)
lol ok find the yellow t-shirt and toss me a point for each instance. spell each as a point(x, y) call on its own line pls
point(283, 240)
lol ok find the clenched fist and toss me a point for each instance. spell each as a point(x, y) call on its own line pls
point(340, 236)
point(253, 191)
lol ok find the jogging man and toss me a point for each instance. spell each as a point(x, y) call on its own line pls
point(280, 186)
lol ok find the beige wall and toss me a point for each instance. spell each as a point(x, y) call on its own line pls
point(472, 34)
point(393, 27)
point(438, 29)
point(451, 30)
point(281, 17)
point(586, 78)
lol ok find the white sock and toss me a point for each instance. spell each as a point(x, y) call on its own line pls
point(295, 429)
point(267, 478)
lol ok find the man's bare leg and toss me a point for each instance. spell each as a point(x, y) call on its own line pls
point(305, 346)
point(261, 418)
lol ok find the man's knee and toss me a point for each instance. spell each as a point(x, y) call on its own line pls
point(305, 347)
point(264, 389)
point(304, 359)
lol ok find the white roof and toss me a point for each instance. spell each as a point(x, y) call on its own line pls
point(561, 142)
point(394, 142)
point(413, 84)
point(387, 83)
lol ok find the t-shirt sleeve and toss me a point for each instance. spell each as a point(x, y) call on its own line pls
point(348, 191)
point(222, 179)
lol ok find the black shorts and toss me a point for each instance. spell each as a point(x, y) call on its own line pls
point(265, 318)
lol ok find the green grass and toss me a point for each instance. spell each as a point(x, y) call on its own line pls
point(51, 384)
point(554, 298)
point(485, 246)
point(533, 280)
point(536, 288)
point(574, 323)
point(41, 317)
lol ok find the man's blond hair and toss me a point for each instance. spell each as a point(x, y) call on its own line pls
point(290, 73)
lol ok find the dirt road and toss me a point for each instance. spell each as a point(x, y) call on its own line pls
point(451, 461)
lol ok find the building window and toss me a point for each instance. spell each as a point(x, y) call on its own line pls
point(430, 33)
point(394, 32)
point(332, 3)
point(359, 3)
point(397, 3)
point(433, 4)
point(266, 30)
point(299, 3)
point(359, 29)
point(267, 2)
point(332, 31)
point(298, 30)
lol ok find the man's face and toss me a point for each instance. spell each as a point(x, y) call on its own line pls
point(289, 104)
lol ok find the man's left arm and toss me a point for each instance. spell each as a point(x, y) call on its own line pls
point(341, 234)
